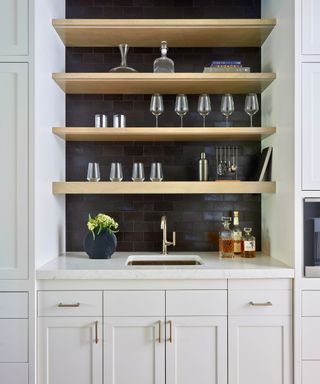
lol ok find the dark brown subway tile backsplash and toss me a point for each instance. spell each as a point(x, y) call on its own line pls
point(196, 218)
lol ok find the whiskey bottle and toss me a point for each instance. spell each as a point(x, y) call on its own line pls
point(249, 244)
point(237, 235)
point(163, 63)
point(225, 239)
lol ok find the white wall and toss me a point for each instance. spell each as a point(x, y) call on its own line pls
point(49, 111)
point(277, 55)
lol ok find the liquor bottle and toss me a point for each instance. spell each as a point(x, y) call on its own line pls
point(249, 244)
point(225, 239)
point(203, 168)
point(163, 63)
point(237, 235)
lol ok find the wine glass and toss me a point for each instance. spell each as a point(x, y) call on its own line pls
point(137, 172)
point(93, 174)
point(116, 173)
point(204, 107)
point(181, 107)
point(251, 106)
point(156, 173)
point(227, 106)
point(156, 106)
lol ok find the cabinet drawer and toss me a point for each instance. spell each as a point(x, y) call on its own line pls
point(260, 284)
point(196, 303)
point(70, 303)
point(15, 373)
point(259, 303)
point(13, 305)
point(310, 372)
point(13, 341)
point(311, 303)
point(134, 303)
point(311, 338)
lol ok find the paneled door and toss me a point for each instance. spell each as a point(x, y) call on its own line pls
point(70, 350)
point(196, 350)
point(14, 198)
point(134, 350)
point(310, 27)
point(310, 126)
point(260, 350)
point(14, 27)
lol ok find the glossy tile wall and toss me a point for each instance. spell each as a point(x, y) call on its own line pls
point(196, 218)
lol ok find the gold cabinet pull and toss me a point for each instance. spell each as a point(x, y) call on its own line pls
point(159, 324)
point(96, 332)
point(75, 305)
point(170, 331)
point(266, 304)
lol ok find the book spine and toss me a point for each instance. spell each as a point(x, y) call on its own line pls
point(226, 62)
point(226, 69)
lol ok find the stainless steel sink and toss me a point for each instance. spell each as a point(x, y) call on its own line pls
point(164, 260)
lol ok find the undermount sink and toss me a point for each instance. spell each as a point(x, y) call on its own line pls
point(164, 260)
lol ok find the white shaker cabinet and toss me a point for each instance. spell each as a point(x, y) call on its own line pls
point(70, 350)
point(310, 27)
point(14, 27)
point(196, 350)
point(14, 170)
point(134, 350)
point(310, 126)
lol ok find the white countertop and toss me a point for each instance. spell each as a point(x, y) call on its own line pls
point(77, 266)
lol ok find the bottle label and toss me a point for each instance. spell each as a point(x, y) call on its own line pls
point(237, 247)
point(237, 236)
point(249, 246)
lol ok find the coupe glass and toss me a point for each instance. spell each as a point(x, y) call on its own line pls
point(124, 49)
point(204, 107)
point(227, 106)
point(251, 106)
point(181, 107)
point(93, 173)
point(156, 106)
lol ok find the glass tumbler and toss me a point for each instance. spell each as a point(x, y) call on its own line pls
point(93, 173)
point(138, 172)
point(100, 121)
point(116, 173)
point(156, 173)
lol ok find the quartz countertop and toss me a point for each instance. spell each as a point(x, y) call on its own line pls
point(77, 266)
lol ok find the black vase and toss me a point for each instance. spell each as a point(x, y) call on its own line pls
point(102, 246)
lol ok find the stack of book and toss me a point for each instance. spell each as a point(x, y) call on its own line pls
point(226, 66)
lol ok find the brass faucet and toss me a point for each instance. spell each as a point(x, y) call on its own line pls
point(165, 242)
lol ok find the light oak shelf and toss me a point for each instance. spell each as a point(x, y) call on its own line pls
point(163, 134)
point(165, 187)
point(163, 83)
point(178, 33)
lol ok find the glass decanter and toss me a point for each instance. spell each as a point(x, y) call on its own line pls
point(225, 239)
point(249, 244)
point(163, 63)
point(124, 49)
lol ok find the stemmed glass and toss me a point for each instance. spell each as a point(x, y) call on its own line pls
point(156, 106)
point(181, 107)
point(204, 107)
point(227, 106)
point(251, 106)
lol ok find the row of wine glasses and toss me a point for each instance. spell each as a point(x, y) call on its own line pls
point(204, 106)
point(116, 173)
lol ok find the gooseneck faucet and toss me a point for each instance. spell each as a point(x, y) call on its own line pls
point(165, 242)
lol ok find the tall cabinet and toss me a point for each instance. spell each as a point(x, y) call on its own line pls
point(15, 67)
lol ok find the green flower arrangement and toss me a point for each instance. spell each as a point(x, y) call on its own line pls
point(100, 223)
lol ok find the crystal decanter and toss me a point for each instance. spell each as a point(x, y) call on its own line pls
point(163, 63)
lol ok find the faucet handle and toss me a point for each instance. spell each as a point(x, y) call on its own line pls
point(174, 239)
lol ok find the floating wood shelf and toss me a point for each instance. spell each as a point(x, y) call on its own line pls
point(165, 187)
point(163, 134)
point(163, 83)
point(178, 33)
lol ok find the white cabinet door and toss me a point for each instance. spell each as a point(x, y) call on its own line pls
point(310, 126)
point(134, 350)
point(260, 350)
point(14, 373)
point(14, 170)
point(70, 350)
point(196, 350)
point(14, 27)
point(13, 341)
point(310, 27)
